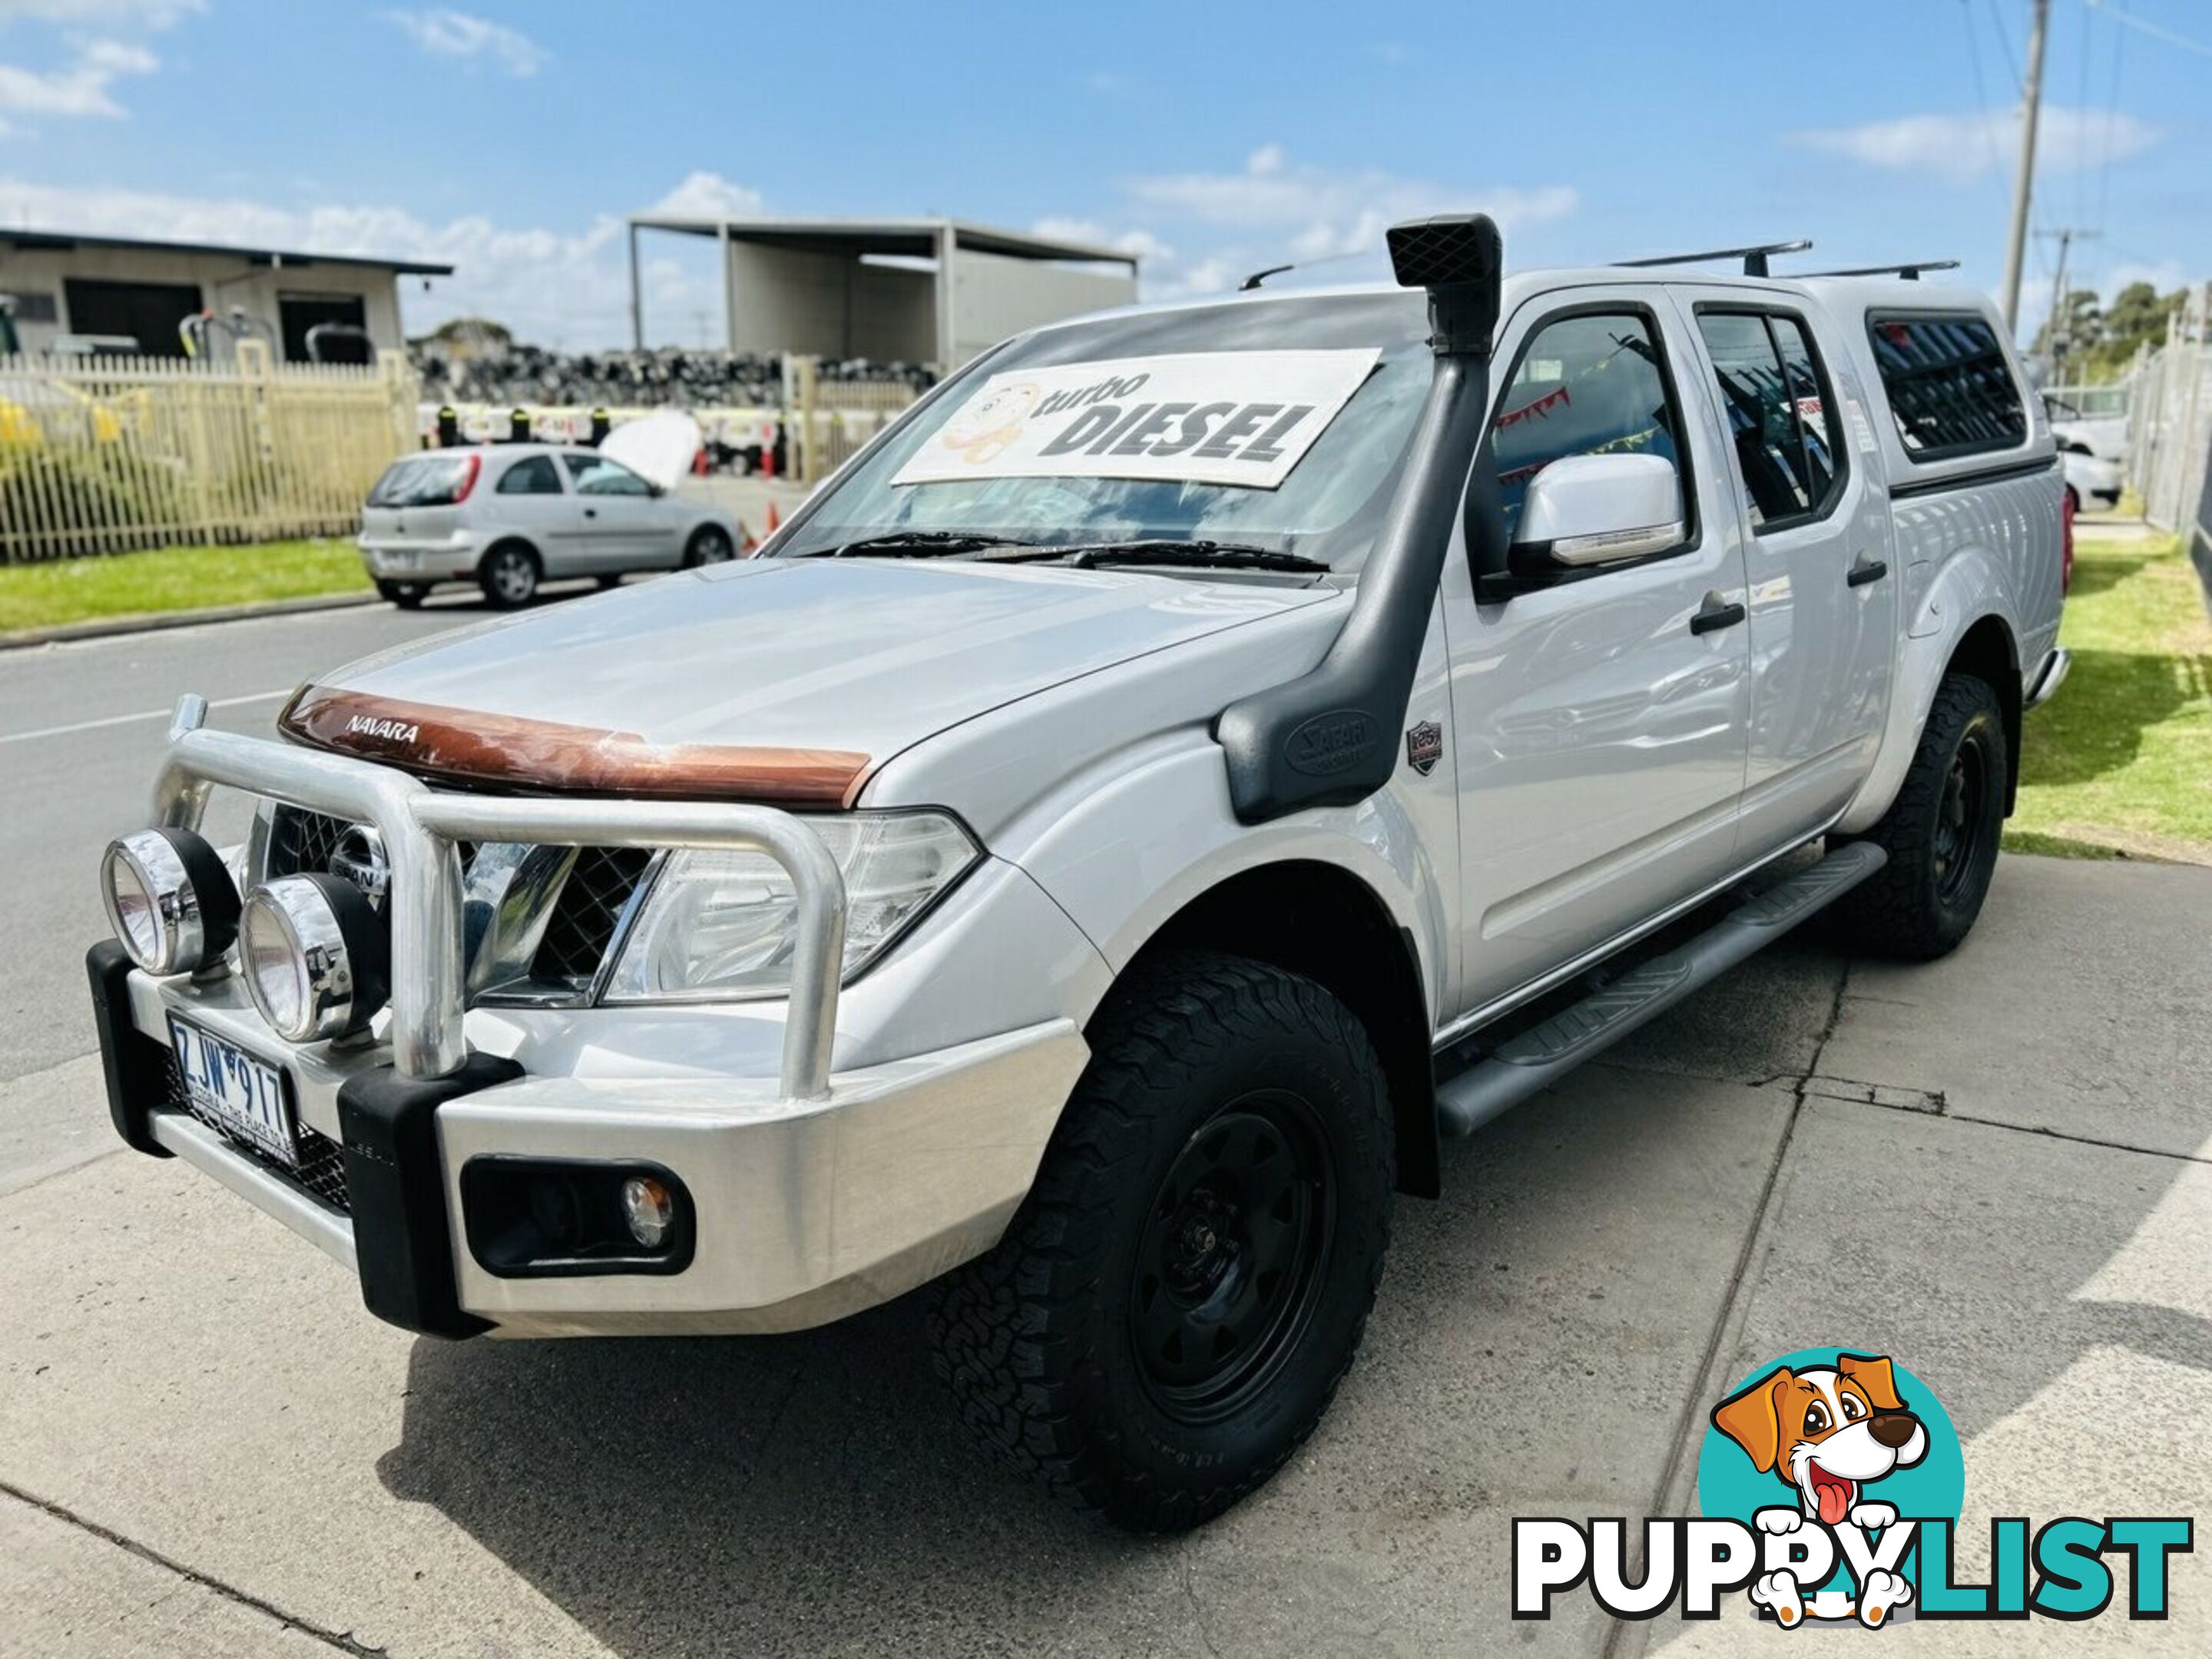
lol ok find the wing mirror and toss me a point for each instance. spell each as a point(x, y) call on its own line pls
point(1584, 512)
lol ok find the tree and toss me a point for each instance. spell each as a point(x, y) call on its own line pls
point(2076, 326)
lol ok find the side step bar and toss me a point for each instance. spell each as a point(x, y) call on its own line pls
point(1540, 1056)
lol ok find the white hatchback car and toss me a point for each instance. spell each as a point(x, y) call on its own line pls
point(510, 516)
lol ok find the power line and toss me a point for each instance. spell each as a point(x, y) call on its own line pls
point(2111, 117)
point(2156, 32)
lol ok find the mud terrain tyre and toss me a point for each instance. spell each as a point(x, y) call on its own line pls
point(1173, 1307)
point(1942, 832)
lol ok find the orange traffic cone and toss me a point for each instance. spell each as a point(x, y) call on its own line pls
point(748, 544)
point(774, 518)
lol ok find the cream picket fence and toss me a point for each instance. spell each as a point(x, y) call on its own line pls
point(107, 454)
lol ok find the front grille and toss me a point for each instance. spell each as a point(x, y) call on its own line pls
point(586, 911)
point(321, 1172)
point(300, 842)
point(586, 914)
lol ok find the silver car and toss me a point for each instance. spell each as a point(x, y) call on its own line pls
point(510, 516)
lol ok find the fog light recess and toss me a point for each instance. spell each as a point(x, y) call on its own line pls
point(535, 1218)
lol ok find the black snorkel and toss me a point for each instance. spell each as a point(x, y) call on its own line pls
point(1330, 738)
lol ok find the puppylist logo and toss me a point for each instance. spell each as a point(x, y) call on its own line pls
point(1831, 1484)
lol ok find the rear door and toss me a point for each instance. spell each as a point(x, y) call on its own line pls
point(623, 520)
point(1600, 739)
point(1817, 535)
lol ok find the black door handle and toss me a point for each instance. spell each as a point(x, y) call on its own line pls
point(1865, 571)
point(591, 512)
point(1712, 616)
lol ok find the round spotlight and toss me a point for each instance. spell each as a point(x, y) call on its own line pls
point(316, 957)
point(170, 900)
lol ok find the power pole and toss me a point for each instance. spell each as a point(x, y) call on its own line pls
point(2061, 332)
point(2032, 94)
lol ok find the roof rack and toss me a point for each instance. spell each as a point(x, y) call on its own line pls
point(1754, 258)
point(1909, 272)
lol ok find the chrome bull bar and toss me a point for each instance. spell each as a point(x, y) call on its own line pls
point(422, 828)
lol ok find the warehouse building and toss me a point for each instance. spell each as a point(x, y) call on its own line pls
point(70, 289)
point(895, 291)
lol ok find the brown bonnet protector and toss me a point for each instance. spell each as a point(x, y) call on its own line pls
point(506, 749)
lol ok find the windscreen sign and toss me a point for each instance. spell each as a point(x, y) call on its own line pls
point(1227, 417)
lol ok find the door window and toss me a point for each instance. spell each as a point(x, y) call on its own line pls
point(532, 476)
point(595, 474)
point(1590, 384)
point(1773, 397)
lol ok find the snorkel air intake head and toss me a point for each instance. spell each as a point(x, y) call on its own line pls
point(1330, 738)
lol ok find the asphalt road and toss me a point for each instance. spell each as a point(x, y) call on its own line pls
point(1997, 1169)
point(81, 729)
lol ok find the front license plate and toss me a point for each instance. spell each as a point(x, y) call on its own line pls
point(246, 1097)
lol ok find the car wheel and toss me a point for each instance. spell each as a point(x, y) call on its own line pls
point(1173, 1307)
point(709, 544)
point(408, 595)
point(509, 575)
point(1942, 832)
point(612, 579)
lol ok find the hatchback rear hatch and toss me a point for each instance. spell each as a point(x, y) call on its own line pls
point(419, 497)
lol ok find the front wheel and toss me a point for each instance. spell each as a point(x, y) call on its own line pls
point(1942, 832)
point(709, 544)
point(1171, 1311)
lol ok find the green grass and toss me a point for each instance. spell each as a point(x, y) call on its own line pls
point(173, 579)
point(2119, 763)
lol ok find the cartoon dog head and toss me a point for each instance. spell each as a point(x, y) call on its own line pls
point(1825, 1433)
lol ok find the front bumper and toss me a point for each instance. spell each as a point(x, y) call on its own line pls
point(814, 1193)
point(807, 1211)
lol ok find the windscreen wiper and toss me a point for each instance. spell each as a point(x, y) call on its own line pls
point(914, 544)
point(1168, 550)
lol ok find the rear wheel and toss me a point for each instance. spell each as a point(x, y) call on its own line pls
point(509, 575)
point(709, 544)
point(1942, 832)
point(1171, 1310)
point(408, 595)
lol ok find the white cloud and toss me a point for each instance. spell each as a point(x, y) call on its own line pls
point(566, 286)
point(1274, 192)
point(79, 90)
point(1277, 209)
point(461, 34)
point(1960, 148)
point(704, 195)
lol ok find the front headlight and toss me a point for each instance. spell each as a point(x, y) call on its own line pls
point(722, 927)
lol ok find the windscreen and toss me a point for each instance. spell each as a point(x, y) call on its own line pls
point(424, 480)
point(1273, 423)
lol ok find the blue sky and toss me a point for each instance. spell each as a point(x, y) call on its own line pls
point(511, 139)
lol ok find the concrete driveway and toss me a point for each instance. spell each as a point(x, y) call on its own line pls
point(1998, 1169)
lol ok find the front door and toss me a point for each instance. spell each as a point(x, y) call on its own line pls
point(623, 523)
point(1823, 623)
point(1599, 739)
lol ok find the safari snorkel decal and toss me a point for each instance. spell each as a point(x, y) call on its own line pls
point(1228, 418)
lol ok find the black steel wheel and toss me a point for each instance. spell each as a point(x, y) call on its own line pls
point(1942, 832)
point(1229, 1268)
point(1170, 1314)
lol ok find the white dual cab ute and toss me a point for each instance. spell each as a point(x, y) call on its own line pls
point(1195, 760)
